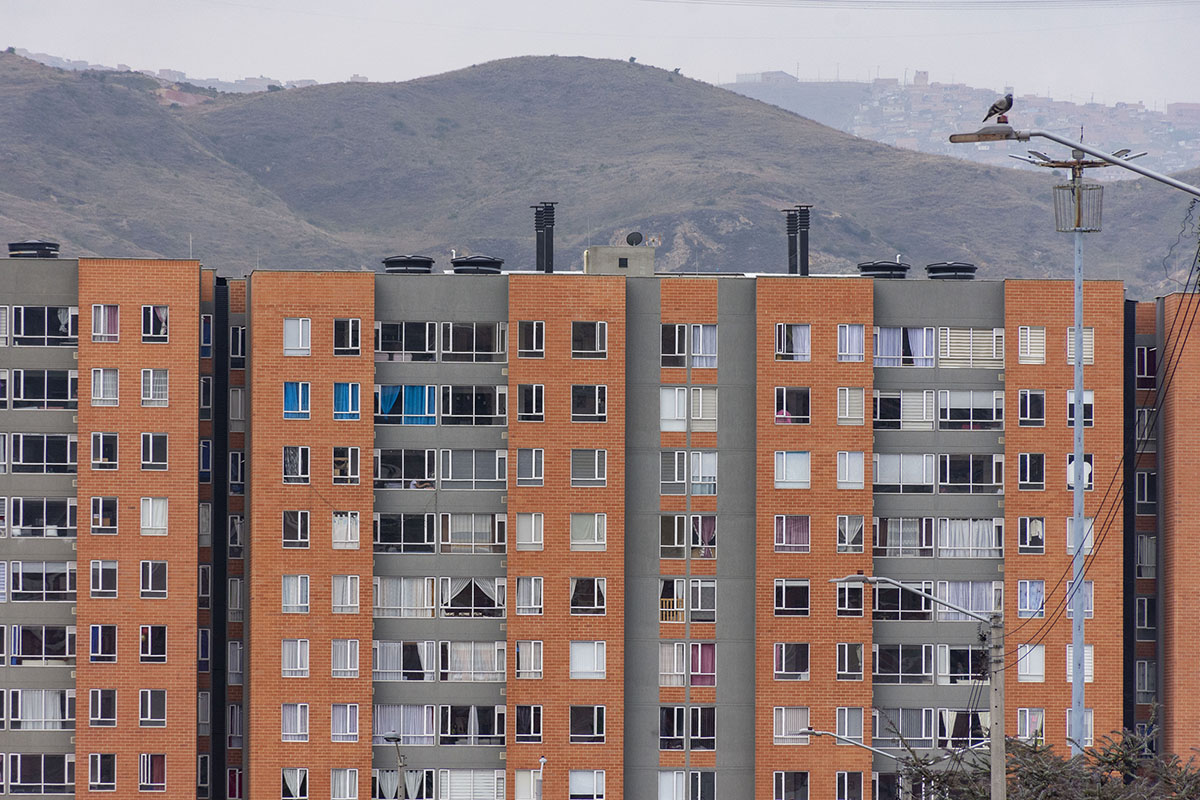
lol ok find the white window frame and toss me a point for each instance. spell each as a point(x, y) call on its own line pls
point(1031, 345)
point(844, 352)
point(851, 405)
point(802, 467)
point(297, 336)
point(850, 469)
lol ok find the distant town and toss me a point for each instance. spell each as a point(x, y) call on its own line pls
point(918, 114)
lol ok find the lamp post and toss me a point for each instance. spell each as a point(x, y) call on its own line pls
point(995, 623)
point(401, 760)
point(541, 769)
point(1077, 207)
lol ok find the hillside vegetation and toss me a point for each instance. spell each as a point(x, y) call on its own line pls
point(338, 176)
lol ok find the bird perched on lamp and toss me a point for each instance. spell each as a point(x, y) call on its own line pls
point(999, 107)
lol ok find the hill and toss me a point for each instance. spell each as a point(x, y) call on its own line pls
point(337, 176)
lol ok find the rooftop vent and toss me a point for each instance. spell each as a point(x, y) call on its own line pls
point(33, 248)
point(884, 269)
point(951, 271)
point(797, 235)
point(477, 265)
point(408, 264)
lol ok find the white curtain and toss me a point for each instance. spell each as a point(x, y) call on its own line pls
point(388, 783)
point(458, 660)
point(291, 779)
point(704, 345)
point(920, 344)
point(529, 596)
point(345, 528)
point(344, 784)
point(154, 514)
point(386, 719)
point(344, 658)
point(388, 661)
point(889, 347)
point(415, 599)
point(1035, 595)
point(670, 670)
point(583, 528)
point(850, 341)
point(344, 721)
point(800, 344)
point(412, 783)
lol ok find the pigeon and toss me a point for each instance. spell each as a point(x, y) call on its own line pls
point(999, 107)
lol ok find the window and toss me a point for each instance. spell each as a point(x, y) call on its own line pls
point(587, 595)
point(1146, 619)
point(42, 645)
point(589, 340)
point(673, 408)
point(404, 469)
point(408, 404)
point(474, 405)
point(1031, 725)
point(531, 402)
point(237, 347)
point(154, 516)
point(1089, 663)
point(206, 335)
point(1087, 471)
point(588, 531)
point(295, 594)
point(704, 472)
point(849, 533)
point(674, 345)
point(472, 597)
point(153, 644)
point(203, 649)
point(1032, 471)
point(346, 337)
point(528, 728)
point(704, 346)
point(970, 410)
point(345, 466)
point(962, 664)
point(47, 581)
point(154, 323)
point(154, 451)
point(204, 523)
point(102, 773)
point(295, 465)
point(236, 599)
point(904, 409)
point(791, 469)
point(102, 708)
point(587, 660)
point(530, 466)
point(1087, 726)
point(1089, 341)
point(45, 388)
point(418, 661)
point(153, 705)
point(296, 336)
point(703, 600)
point(791, 723)
point(345, 400)
point(1088, 408)
point(476, 661)
point(103, 644)
point(38, 773)
point(474, 533)
point(850, 661)
point(295, 400)
point(1031, 663)
point(234, 668)
point(1031, 535)
point(529, 596)
point(105, 384)
point(971, 347)
point(849, 599)
point(1031, 345)
point(406, 341)
point(850, 405)
point(343, 783)
point(344, 658)
point(981, 597)
point(589, 467)
point(792, 533)
point(902, 663)
point(205, 461)
point(850, 470)
point(791, 597)
point(792, 342)
point(345, 530)
point(237, 404)
point(471, 725)
point(850, 343)
point(672, 727)
point(235, 534)
point(972, 473)
point(1147, 494)
point(849, 786)
point(673, 472)
point(104, 451)
point(586, 784)
point(404, 597)
point(791, 786)
point(42, 453)
point(154, 387)
point(295, 722)
point(480, 342)
point(531, 339)
point(672, 663)
point(154, 579)
point(903, 602)
point(344, 724)
point(1032, 411)
point(587, 724)
point(1145, 680)
point(345, 594)
point(589, 403)
point(1146, 359)
point(1087, 599)
point(294, 658)
point(104, 579)
point(106, 323)
point(792, 405)
point(1088, 537)
point(903, 347)
point(850, 724)
point(702, 728)
point(1031, 599)
point(529, 531)
point(902, 473)
point(1145, 430)
point(1147, 555)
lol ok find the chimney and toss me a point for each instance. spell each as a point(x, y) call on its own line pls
point(951, 271)
point(33, 248)
point(797, 233)
point(548, 238)
point(895, 270)
point(539, 234)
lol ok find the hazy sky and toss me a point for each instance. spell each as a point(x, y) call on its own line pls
point(1119, 50)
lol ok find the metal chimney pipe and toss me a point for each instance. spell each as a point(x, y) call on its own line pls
point(802, 219)
point(548, 245)
point(539, 231)
point(797, 233)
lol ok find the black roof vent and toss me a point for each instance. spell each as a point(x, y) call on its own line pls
point(33, 248)
point(408, 264)
point(884, 269)
point(951, 271)
point(476, 265)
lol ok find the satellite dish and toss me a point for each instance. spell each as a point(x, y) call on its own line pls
point(633, 239)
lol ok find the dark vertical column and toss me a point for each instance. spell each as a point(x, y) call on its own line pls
point(219, 646)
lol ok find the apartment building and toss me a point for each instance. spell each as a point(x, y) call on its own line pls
point(605, 511)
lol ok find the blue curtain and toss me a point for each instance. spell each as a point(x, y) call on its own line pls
point(291, 398)
point(388, 395)
point(418, 406)
point(341, 400)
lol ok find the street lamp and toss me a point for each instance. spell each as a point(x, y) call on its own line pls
point(393, 738)
point(995, 623)
point(1077, 208)
point(541, 769)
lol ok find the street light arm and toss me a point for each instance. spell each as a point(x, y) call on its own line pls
point(1024, 136)
point(855, 742)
